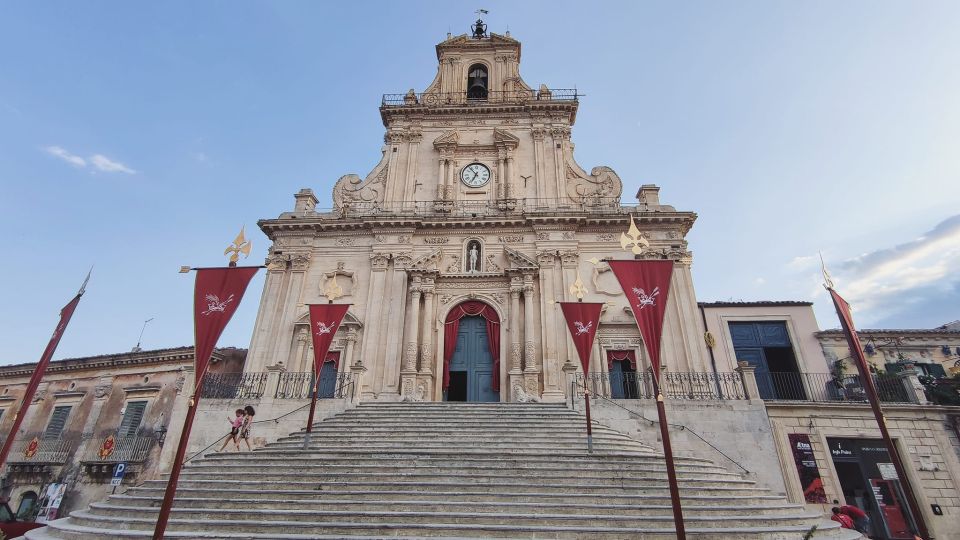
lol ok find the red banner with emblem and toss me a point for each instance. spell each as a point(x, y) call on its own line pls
point(583, 318)
point(65, 315)
point(216, 296)
point(325, 319)
point(646, 285)
point(850, 332)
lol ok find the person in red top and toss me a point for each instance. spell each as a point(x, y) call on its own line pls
point(843, 519)
point(861, 521)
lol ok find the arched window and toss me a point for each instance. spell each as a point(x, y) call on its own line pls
point(477, 82)
point(26, 511)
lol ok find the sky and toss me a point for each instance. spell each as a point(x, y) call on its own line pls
point(139, 137)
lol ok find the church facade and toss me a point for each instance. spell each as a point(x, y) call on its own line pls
point(455, 248)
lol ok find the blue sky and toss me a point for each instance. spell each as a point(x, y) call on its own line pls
point(141, 136)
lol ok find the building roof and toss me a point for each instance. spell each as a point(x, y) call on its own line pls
point(754, 303)
point(180, 354)
point(894, 331)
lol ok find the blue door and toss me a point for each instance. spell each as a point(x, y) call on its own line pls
point(472, 363)
point(327, 387)
point(623, 380)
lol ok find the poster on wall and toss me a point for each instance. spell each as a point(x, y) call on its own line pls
point(807, 468)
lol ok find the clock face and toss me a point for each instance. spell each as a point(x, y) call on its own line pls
point(475, 175)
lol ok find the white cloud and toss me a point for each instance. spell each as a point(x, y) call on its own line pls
point(105, 164)
point(759, 281)
point(72, 159)
point(99, 162)
point(884, 282)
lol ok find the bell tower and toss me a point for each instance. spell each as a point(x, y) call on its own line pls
point(478, 141)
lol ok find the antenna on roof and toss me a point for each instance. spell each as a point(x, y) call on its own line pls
point(144, 327)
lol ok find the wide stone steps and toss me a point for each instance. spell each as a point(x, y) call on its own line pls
point(661, 497)
point(447, 471)
point(691, 506)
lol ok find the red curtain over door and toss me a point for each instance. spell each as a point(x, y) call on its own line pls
point(471, 308)
point(617, 356)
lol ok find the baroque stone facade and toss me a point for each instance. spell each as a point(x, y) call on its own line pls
point(477, 196)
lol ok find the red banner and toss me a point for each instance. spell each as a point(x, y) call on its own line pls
point(65, 314)
point(216, 296)
point(583, 318)
point(325, 319)
point(853, 340)
point(646, 285)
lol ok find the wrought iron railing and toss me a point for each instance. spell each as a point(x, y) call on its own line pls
point(37, 448)
point(590, 205)
point(134, 449)
point(676, 385)
point(234, 385)
point(825, 387)
point(493, 97)
point(299, 385)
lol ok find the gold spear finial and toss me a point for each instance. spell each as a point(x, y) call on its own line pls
point(577, 289)
point(332, 290)
point(240, 245)
point(827, 280)
point(634, 238)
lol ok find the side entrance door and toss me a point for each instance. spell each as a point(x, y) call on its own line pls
point(472, 364)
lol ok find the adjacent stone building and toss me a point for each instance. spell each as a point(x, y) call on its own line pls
point(129, 398)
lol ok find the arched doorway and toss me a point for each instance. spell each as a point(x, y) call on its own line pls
point(327, 386)
point(471, 353)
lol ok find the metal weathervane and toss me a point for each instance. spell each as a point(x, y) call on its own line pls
point(240, 245)
point(634, 238)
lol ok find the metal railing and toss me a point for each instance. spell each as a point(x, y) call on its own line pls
point(591, 205)
point(132, 449)
point(46, 449)
point(234, 385)
point(676, 385)
point(825, 387)
point(299, 385)
point(493, 97)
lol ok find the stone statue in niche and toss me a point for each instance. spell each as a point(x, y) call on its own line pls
point(473, 256)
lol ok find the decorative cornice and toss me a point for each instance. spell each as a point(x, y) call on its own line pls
point(178, 355)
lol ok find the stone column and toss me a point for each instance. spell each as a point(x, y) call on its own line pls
point(909, 378)
point(516, 349)
point(441, 179)
point(501, 176)
point(392, 339)
point(408, 373)
point(749, 377)
point(264, 333)
point(531, 367)
point(303, 336)
point(347, 360)
point(509, 179)
point(429, 327)
point(373, 333)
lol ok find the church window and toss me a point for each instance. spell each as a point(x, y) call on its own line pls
point(477, 82)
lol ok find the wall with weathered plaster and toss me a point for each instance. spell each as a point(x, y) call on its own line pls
point(739, 429)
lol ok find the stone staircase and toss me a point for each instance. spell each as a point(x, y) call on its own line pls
point(445, 470)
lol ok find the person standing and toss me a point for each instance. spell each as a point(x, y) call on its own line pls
point(235, 424)
point(861, 521)
point(843, 519)
point(246, 426)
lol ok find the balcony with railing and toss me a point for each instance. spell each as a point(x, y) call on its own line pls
point(129, 449)
point(493, 97)
point(234, 385)
point(689, 386)
point(825, 388)
point(38, 449)
point(588, 205)
point(299, 385)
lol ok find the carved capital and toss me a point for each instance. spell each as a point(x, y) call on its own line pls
point(569, 259)
point(546, 258)
point(379, 261)
point(299, 262)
